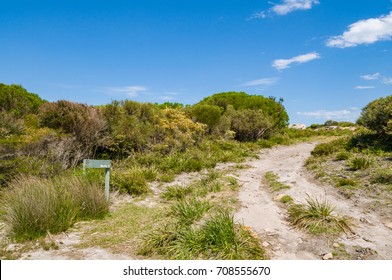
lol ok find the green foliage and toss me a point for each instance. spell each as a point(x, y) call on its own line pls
point(273, 182)
point(383, 176)
point(331, 123)
point(10, 125)
point(132, 181)
point(84, 126)
point(343, 155)
point(172, 105)
point(176, 192)
point(346, 182)
point(32, 207)
point(358, 163)
point(249, 116)
point(189, 210)
point(372, 141)
point(207, 114)
point(377, 116)
point(18, 102)
point(318, 217)
point(286, 199)
point(250, 125)
point(325, 149)
point(218, 238)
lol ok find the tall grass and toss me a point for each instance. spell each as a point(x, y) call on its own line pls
point(32, 206)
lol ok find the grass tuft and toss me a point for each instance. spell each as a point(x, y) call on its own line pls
point(219, 238)
point(190, 210)
point(273, 182)
point(318, 217)
point(359, 163)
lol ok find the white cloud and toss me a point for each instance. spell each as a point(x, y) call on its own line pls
point(130, 91)
point(364, 87)
point(261, 82)
point(345, 114)
point(258, 15)
point(167, 98)
point(366, 31)
point(387, 81)
point(281, 64)
point(288, 6)
point(370, 77)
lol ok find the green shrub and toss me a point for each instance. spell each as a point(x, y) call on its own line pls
point(377, 115)
point(342, 156)
point(233, 183)
point(176, 192)
point(326, 149)
point(383, 176)
point(130, 181)
point(358, 163)
point(15, 100)
point(219, 238)
point(342, 182)
point(286, 199)
point(318, 217)
point(32, 207)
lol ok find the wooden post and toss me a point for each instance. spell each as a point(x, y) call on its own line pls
point(94, 163)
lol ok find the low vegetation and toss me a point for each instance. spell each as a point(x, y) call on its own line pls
point(200, 225)
point(360, 164)
point(318, 217)
point(33, 207)
point(273, 182)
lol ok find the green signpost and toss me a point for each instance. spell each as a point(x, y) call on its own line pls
point(95, 163)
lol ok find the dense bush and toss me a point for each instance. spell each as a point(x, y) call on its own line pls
point(241, 100)
point(83, 125)
point(325, 149)
point(250, 125)
point(377, 116)
point(207, 114)
point(15, 100)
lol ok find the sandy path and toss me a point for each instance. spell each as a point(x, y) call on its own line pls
point(264, 215)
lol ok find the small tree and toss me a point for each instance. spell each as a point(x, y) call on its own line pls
point(207, 114)
point(377, 116)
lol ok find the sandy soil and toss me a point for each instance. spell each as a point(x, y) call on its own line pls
point(266, 216)
point(268, 219)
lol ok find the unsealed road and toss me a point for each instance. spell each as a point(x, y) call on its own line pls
point(269, 219)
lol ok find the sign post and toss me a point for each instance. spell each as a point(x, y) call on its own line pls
point(94, 163)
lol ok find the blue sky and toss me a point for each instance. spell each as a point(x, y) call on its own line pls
point(326, 58)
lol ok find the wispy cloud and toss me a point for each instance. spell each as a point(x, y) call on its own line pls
point(366, 31)
point(370, 77)
point(130, 91)
point(346, 114)
point(281, 64)
point(288, 6)
point(387, 80)
point(258, 15)
point(261, 82)
point(364, 87)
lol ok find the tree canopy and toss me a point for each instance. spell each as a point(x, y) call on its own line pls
point(377, 116)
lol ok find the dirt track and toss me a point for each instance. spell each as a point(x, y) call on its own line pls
point(268, 219)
